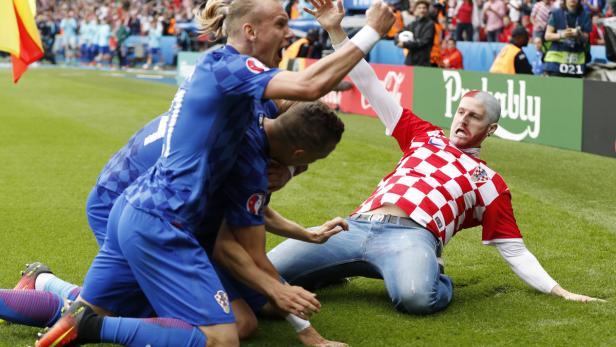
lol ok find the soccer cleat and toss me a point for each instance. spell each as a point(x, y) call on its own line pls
point(28, 277)
point(66, 331)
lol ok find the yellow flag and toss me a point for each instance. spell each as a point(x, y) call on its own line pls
point(19, 35)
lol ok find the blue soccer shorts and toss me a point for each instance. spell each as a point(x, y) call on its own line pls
point(238, 290)
point(145, 255)
point(98, 208)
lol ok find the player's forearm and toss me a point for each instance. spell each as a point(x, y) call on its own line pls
point(279, 225)
point(323, 76)
point(232, 256)
point(526, 266)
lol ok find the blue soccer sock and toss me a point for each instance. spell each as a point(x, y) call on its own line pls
point(51, 283)
point(151, 331)
point(30, 307)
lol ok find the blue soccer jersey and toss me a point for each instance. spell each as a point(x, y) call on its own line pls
point(135, 158)
point(245, 189)
point(208, 118)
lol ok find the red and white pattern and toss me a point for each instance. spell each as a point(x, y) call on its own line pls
point(441, 187)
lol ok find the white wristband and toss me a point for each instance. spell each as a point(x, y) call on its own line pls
point(337, 46)
point(366, 38)
point(297, 323)
point(291, 169)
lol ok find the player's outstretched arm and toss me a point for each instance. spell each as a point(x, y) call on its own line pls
point(384, 105)
point(241, 256)
point(527, 267)
point(321, 77)
point(279, 225)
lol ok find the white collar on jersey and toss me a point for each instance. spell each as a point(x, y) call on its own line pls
point(473, 152)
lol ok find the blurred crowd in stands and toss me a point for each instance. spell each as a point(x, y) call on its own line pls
point(93, 32)
point(428, 31)
point(97, 32)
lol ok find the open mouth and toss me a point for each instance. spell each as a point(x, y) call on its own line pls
point(461, 132)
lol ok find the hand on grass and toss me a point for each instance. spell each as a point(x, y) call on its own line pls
point(310, 337)
point(567, 295)
point(296, 300)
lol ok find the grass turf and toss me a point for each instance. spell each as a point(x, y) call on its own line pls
point(59, 127)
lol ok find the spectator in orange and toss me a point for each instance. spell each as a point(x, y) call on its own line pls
point(452, 57)
point(512, 59)
point(439, 30)
point(292, 9)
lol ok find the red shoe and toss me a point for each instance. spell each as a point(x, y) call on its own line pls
point(66, 331)
point(28, 277)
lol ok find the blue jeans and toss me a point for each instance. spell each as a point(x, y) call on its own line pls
point(405, 258)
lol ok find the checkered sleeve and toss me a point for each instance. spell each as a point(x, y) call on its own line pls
point(243, 75)
point(498, 220)
point(410, 126)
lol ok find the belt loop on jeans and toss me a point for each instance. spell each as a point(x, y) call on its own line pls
point(387, 218)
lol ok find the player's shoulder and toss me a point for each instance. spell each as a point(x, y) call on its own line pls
point(496, 178)
point(226, 61)
point(409, 117)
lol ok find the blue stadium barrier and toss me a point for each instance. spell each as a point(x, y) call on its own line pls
point(478, 56)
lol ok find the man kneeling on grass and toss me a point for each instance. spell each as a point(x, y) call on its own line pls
point(439, 187)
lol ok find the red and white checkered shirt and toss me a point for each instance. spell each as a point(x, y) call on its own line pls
point(442, 188)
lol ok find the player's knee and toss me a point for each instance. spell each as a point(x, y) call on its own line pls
point(246, 326)
point(417, 300)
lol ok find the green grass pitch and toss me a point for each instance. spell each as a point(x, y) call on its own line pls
point(59, 127)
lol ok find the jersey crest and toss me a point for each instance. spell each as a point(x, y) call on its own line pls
point(480, 175)
point(223, 300)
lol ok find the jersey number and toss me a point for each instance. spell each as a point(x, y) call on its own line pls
point(160, 131)
point(174, 112)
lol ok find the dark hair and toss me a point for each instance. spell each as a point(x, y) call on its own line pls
point(311, 125)
point(422, 2)
point(578, 8)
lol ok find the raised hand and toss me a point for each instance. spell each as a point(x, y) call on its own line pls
point(380, 17)
point(326, 13)
point(328, 229)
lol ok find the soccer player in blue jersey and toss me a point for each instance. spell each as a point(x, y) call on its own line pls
point(150, 245)
point(127, 164)
point(41, 308)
